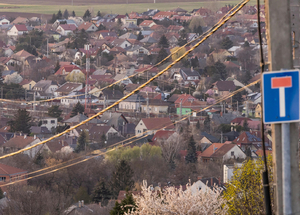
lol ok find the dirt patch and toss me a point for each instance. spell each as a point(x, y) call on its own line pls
point(26, 15)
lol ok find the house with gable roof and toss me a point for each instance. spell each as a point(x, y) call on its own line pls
point(20, 142)
point(223, 88)
point(67, 69)
point(66, 29)
point(67, 88)
point(223, 152)
point(132, 103)
point(88, 27)
point(152, 125)
point(248, 139)
point(10, 174)
point(45, 88)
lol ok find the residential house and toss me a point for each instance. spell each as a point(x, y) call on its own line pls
point(105, 34)
point(4, 21)
point(27, 84)
point(123, 78)
point(116, 120)
point(258, 110)
point(20, 142)
point(66, 29)
point(19, 58)
point(132, 103)
point(88, 27)
point(19, 20)
point(163, 135)
point(155, 106)
point(136, 50)
point(223, 152)
point(60, 145)
point(67, 88)
point(162, 15)
point(219, 55)
point(248, 139)
point(123, 43)
point(223, 88)
point(146, 24)
point(97, 132)
point(175, 28)
point(238, 121)
point(182, 99)
point(10, 174)
point(188, 106)
point(108, 96)
point(67, 69)
point(17, 30)
point(152, 125)
point(49, 122)
point(45, 88)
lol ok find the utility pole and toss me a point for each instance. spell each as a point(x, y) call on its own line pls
point(180, 114)
point(34, 101)
point(1, 92)
point(25, 95)
point(47, 48)
point(279, 32)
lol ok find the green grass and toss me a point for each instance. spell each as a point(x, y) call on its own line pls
point(112, 8)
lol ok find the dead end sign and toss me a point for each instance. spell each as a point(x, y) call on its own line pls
point(281, 100)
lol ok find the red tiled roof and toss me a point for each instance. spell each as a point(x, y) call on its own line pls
point(240, 119)
point(146, 23)
point(21, 27)
point(19, 142)
point(184, 97)
point(158, 123)
point(25, 81)
point(212, 149)
point(9, 170)
point(162, 135)
point(85, 25)
point(260, 152)
point(67, 68)
point(68, 27)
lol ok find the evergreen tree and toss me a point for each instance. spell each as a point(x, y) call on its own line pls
point(126, 205)
point(191, 156)
point(246, 44)
point(182, 39)
point(87, 15)
point(1, 193)
point(207, 124)
point(82, 141)
point(246, 77)
point(248, 152)
point(59, 15)
point(98, 13)
point(226, 43)
point(162, 54)
point(140, 36)
point(198, 125)
point(245, 125)
point(73, 13)
point(66, 14)
point(221, 69)
point(101, 193)
point(163, 42)
point(21, 122)
point(122, 178)
point(55, 112)
point(78, 108)
point(57, 66)
point(53, 19)
point(198, 30)
point(195, 62)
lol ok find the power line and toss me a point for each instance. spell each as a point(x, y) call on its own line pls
point(102, 153)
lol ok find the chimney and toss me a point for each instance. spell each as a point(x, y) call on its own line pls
point(82, 203)
point(25, 136)
point(219, 179)
point(79, 204)
point(34, 137)
point(199, 177)
point(231, 128)
point(211, 182)
point(62, 143)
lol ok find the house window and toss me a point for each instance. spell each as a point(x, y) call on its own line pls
point(232, 153)
point(45, 122)
point(155, 109)
point(2, 179)
point(52, 121)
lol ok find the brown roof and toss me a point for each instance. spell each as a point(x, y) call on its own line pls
point(56, 145)
point(21, 27)
point(68, 87)
point(158, 123)
point(85, 25)
point(25, 81)
point(223, 150)
point(19, 20)
point(211, 149)
point(225, 85)
point(68, 27)
point(9, 170)
point(22, 54)
point(19, 142)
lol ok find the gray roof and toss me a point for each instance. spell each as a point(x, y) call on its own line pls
point(44, 84)
point(128, 36)
point(224, 119)
point(135, 98)
point(149, 40)
point(78, 118)
point(112, 119)
point(210, 137)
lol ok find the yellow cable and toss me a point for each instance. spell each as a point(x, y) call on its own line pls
point(134, 91)
point(102, 153)
point(159, 63)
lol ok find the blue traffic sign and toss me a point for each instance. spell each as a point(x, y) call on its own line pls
point(281, 100)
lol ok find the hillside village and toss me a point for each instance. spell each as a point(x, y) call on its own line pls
point(47, 64)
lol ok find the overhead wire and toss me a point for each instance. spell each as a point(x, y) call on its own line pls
point(135, 90)
point(103, 153)
point(148, 69)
